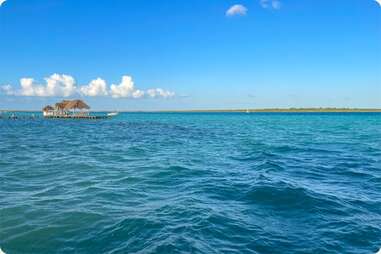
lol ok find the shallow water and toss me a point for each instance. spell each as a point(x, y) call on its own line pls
point(192, 183)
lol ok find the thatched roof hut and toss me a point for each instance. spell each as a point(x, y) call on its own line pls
point(73, 104)
point(48, 108)
point(68, 109)
point(76, 104)
point(61, 105)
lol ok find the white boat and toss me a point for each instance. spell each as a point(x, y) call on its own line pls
point(112, 114)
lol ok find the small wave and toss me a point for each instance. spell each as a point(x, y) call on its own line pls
point(282, 195)
point(192, 183)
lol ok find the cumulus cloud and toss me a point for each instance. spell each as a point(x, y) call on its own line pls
point(60, 85)
point(379, 2)
point(138, 94)
point(125, 89)
point(158, 92)
point(56, 85)
point(237, 9)
point(96, 87)
point(7, 90)
point(1, 2)
point(271, 4)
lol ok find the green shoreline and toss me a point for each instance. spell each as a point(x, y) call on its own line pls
point(281, 110)
point(264, 110)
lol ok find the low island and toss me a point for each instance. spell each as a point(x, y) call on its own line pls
point(284, 110)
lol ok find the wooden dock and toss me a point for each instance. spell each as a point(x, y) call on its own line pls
point(78, 117)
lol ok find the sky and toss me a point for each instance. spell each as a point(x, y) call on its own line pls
point(196, 54)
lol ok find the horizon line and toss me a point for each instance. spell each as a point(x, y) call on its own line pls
point(237, 110)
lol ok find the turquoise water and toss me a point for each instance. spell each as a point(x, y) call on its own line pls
point(192, 183)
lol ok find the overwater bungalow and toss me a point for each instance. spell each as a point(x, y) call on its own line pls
point(69, 109)
point(48, 111)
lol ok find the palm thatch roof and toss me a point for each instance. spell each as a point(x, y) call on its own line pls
point(71, 104)
point(48, 108)
point(61, 105)
point(76, 104)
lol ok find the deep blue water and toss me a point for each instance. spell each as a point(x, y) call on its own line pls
point(192, 183)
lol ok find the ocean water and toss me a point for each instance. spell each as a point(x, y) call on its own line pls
point(192, 183)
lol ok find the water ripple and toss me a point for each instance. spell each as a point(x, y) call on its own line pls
point(192, 183)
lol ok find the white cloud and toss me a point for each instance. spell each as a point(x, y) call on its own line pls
point(158, 92)
point(378, 1)
point(1, 2)
point(96, 87)
point(138, 94)
point(56, 85)
point(125, 89)
point(60, 85)
point(237, 9)
point(7, 90)
point(271, 4)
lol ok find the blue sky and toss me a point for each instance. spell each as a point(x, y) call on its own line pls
point(196, 54)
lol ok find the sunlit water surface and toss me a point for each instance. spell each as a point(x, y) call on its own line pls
point(192, 183)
